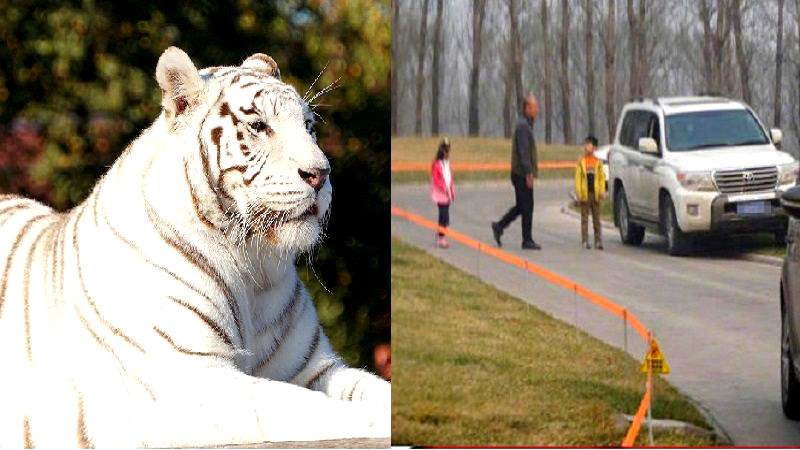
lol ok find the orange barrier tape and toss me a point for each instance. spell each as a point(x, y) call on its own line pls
point(636, 424)
point(558, 280)
point(412, 166)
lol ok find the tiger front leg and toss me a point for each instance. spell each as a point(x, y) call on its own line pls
point(223, 406)
point(348, 384)
point(302, 355)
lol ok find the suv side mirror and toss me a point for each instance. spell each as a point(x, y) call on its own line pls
point(791, 202)
point(776, 135)
point(648, 145)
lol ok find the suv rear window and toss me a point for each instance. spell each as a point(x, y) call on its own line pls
point(709, 129)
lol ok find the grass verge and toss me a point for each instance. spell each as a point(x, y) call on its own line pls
point(475, 149)
point(490, 175)
point(477, 367)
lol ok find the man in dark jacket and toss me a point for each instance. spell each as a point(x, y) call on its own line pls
point(524, 170)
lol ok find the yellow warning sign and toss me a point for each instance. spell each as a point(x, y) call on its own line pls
point(655, 359)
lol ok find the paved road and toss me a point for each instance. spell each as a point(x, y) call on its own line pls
point(716, 316)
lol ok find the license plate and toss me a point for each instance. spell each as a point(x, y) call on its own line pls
point(755, 207)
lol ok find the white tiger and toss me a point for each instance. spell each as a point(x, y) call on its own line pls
point(165, 310)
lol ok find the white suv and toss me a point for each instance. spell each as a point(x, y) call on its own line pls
point(685, 166)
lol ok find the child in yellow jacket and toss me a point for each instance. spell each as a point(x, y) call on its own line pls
point(590, 188)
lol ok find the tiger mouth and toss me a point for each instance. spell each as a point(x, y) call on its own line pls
point(312, 211)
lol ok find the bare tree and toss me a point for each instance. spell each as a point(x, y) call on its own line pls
point(741, 56)
point(516, 51)
point(638, 50)
point(715, 40)
point(435, 79)
point(643, 65)
point(395, 57)
point(423, 31)
point(566, 93)
point(589, 37)
point(548, 97)
point(776, 117)
point(478, 9)
point(508, 88)
point(633, 47)
point(797, 73)
point(609, 47)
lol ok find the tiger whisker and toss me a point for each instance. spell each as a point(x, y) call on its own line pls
point(305, 96)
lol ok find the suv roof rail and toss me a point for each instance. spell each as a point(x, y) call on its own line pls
point(709, 94)
point(641, 99)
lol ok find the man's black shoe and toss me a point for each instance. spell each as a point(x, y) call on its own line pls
point(531, 245)
point(497, 232)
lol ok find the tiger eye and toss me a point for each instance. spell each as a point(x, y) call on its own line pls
point(260, 126)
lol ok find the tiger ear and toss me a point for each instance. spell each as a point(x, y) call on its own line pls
point(179, 81)
point(263, 63)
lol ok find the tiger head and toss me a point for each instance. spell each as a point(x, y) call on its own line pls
point(262, 172)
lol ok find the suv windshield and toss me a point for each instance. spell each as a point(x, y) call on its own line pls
point(706, 129)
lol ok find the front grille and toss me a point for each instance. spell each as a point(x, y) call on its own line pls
point(739, 181)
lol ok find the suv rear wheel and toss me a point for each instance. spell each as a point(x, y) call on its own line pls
point(790, 386)
point(629, 232)
point(678, 243)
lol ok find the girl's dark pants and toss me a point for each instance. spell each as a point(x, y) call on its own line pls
point(444, 215)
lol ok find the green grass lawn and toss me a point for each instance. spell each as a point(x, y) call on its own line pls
point(477, 367)
point(490, 175)
point(476, 149)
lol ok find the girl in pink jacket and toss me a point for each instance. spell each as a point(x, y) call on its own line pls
point(443, 190)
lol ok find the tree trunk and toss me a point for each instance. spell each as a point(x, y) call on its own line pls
point(741, 56)
point(508, 88)
point(589, 35)
point(516, 54)
point(633, 42)
point(797, 74)
point(610, 66)
point(478, 8)
point(436, 78)
point(548, 97)
point(778, 67)
point(566, 93)
point(705, 18)
point(395, 57)
point(715, 44)
point(643, 64)
point(423, 31)
point(720, 41)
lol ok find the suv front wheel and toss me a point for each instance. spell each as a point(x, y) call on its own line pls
point(629, 232)
point(678, 243)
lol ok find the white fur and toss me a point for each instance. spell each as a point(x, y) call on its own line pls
point(126, 242)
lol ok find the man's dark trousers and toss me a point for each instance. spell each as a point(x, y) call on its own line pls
point(524, 206)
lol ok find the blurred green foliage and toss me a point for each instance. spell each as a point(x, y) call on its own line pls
point(77, 84)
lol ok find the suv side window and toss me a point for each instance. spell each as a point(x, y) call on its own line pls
point(653, 129)
point(641, 127)
point(626, 133)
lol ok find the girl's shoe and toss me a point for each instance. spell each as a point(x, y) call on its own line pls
point(442, 242)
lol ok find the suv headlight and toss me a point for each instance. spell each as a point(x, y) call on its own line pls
point(696, 181)
point(787, 173)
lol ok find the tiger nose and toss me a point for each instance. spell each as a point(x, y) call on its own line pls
point(314, 177)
